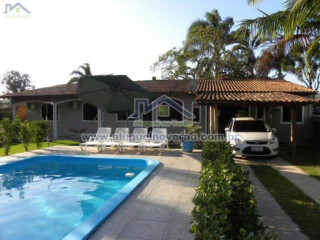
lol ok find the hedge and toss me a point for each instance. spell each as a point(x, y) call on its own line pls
point(225, 207)
point(23, 131)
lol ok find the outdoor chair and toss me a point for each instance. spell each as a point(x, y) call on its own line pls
point(158, 140)
point(120, 135)
point(137, 139)
point(103, 134)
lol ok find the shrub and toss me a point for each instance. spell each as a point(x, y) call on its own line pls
point(7, 133)
point(25, 134)
point(213, 151)
point(225, 207)
point(39, 130)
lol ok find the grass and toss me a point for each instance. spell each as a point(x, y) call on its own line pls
point(308, 158)
point(18, 148)
point(301, 208)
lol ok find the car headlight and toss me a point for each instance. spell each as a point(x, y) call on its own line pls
point(273, 140)
point(238, 139)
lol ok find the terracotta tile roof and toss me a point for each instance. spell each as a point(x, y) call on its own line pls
point(205, 88)
point(165, 86)
point(264, 97)
point(57, 90)
point(251, 85)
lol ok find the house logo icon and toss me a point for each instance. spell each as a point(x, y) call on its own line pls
point(16, 8)
point(163, 103)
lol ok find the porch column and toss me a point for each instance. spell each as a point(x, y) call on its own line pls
point(293, 138)
point(99, 118)
point(55, 127)
point(213, 119)
point(216, 119)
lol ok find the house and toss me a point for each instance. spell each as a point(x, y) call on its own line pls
point(212, 102)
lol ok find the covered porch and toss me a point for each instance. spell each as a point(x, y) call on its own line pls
point(222, 107)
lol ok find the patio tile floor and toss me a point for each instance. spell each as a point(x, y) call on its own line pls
point(160, 208)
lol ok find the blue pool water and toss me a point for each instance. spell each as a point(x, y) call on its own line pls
point(56, 197)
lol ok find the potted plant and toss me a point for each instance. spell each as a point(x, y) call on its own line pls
point(187, 144)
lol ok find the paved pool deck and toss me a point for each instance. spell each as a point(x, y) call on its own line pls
point(160, 208)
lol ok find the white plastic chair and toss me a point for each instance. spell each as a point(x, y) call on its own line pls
point(158, 139)
point(103, 134)
point(137, 139)
point(120, 135)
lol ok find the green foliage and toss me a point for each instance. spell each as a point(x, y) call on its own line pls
point(203, 52)
point(14, 82)
point(216, 151)
point(297, 25)
point(7, 133)
point(301, 208)
point(192, 129)
point(225, 207)
point(25, 134)
point(83, 70)
point(39, 130)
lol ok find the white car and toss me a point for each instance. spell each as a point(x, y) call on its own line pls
point(252, 137)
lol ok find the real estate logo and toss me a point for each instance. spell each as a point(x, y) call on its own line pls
point(16, 11)
point(163, 104)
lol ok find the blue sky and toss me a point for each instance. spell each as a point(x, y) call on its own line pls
point(114, 36)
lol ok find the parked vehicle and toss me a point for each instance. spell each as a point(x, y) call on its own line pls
point(252, 137)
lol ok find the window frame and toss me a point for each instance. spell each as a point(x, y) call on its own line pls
point(200, 110)
point(82, 114)
point(281, 116)
point(58, 118)
point(168, 110)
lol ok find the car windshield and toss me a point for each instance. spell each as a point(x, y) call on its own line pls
point(250, 126)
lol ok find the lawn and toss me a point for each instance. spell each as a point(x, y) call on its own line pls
point(308, 158)
point(18, 148)
point(301, 208)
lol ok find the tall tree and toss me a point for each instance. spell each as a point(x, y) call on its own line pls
point(274, 57)
point(174, 64)
point(14, 82)
point(211, 34)
point(297, 24)
point(83, 70)
point(202, 54)
point(306, 67)
point(248, 46)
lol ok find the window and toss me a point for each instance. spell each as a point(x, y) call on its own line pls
point(250, 126)
point(196, 112)
point(286, 114)
point(47, 112)
point(164, 111)
point(89, 112)
point(173, 114)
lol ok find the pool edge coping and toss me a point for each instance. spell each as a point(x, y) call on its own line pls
point(85, 229)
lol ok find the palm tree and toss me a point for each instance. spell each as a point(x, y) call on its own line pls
point(274, 58)
point(248, 46)
point(83, 70)
point(211, 35)
point(298, 24)
point(307, 67)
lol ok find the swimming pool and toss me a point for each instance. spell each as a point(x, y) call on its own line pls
point(64, 197)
